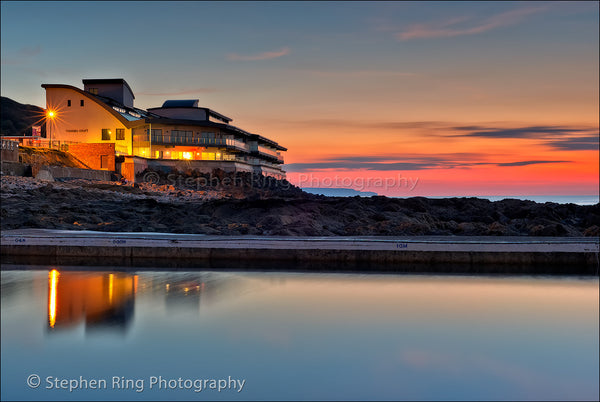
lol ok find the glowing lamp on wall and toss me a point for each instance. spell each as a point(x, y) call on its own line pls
point(51, 114)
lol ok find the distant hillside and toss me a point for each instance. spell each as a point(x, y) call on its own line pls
point(17, 119)
point(338, 192)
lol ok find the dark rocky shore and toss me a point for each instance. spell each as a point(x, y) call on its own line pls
point(274, 209)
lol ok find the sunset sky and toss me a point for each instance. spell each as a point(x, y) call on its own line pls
point(400, 98)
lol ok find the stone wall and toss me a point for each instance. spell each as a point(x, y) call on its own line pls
point(60, 172)
point(97, 156)
point(15, 169)
point(133, 165)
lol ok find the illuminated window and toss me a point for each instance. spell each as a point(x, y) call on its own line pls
point(105, 134)
point(94, 91)
point(69, 102)
point(187, 155)
point(120, 133)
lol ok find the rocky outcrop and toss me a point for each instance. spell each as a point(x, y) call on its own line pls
point(271, 211)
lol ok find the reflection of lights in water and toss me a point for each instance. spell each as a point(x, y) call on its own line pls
point(53, 278)
point(167, 286)
point(135, 283)
point(111, 280)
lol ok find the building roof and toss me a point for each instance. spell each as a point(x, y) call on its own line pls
point(107, 103)
point(269, 141)
point(108, 81)
point(181, 103)
point(192, 104)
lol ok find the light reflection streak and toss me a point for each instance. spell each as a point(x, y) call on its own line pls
point(53, 281)
point(111, 280)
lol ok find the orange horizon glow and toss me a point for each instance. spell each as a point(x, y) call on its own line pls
point(467, 165)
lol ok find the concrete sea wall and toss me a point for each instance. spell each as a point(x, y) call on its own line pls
point(569, 256)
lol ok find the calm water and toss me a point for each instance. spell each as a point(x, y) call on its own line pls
point(296, 336)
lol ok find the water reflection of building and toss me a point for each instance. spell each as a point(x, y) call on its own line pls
point(191, 290)
point(106, 300)
point(184, 293)
point(99, 299)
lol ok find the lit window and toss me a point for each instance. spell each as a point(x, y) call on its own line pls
point(94, 91)
point(120, 133)
point(187, 155)
point(106, 134)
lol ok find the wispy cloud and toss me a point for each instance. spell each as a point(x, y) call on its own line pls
point(526, 163)
point(260, 56)
point(562, 138)
point(22, 56)
point(465, 26)
point(520, 132)
point(411, 162)
point(390, 166)
point(383, 162)
point(575, 143)
point(182, 92)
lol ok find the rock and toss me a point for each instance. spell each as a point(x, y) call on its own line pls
point(28, 202)
point(592, 231)
point(44, 175)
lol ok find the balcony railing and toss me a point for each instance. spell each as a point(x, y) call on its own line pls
point(200, 141)
point(270, 152)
